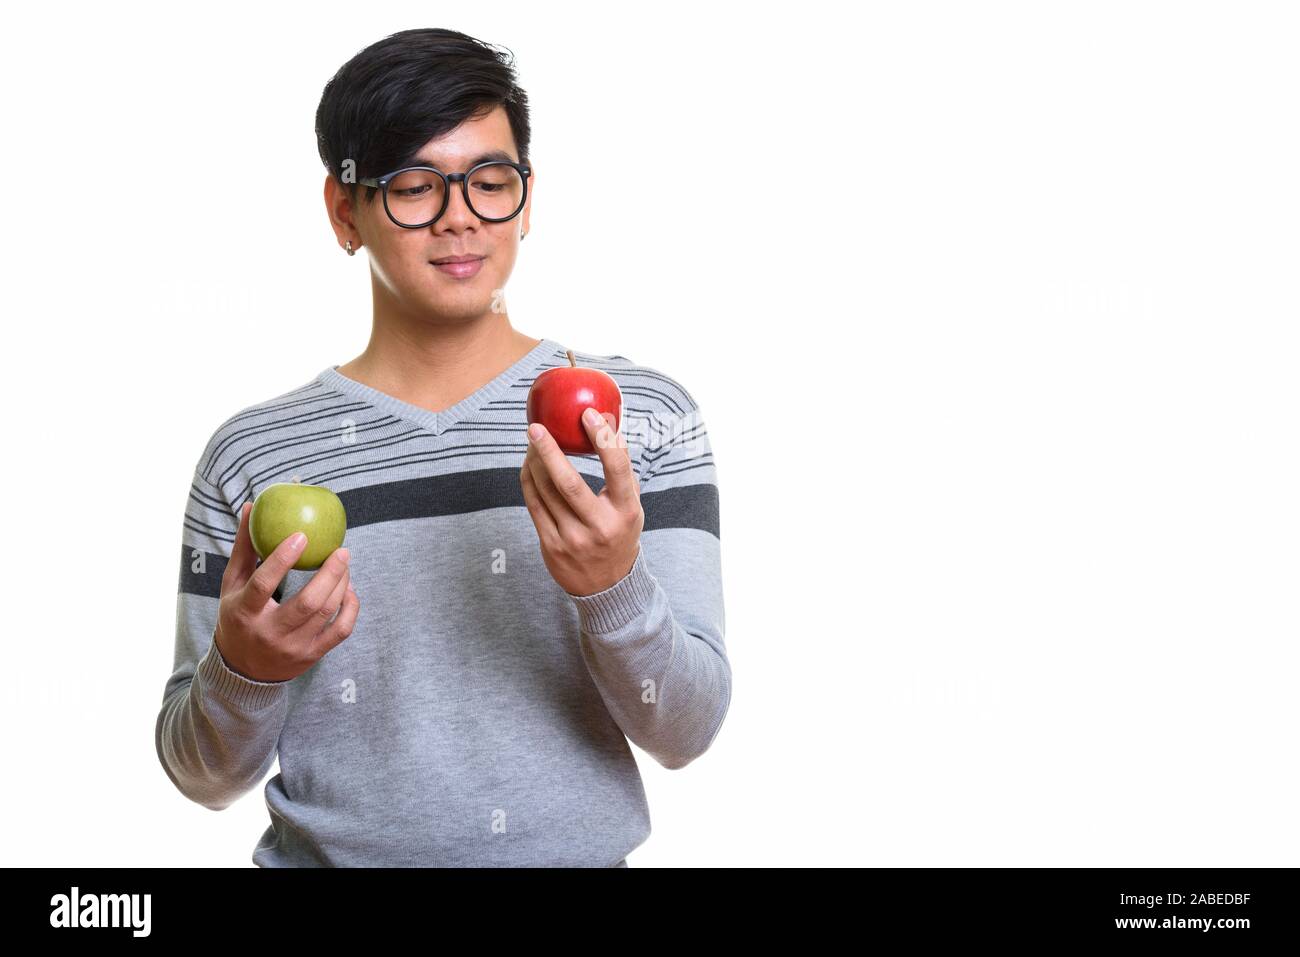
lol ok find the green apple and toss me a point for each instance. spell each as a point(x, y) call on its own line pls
point(287, 507)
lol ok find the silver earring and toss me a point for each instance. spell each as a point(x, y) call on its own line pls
point(351, 251)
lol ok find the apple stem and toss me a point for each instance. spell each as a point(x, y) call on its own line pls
point(572, 361)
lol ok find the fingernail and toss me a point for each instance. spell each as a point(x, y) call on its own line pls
point(592, 417)
point(296, 540)
point(534, 431)
point(345, 555)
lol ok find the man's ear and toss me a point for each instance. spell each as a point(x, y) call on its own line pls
point(338, 205)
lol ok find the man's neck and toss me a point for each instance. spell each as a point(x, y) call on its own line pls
point(438, 367)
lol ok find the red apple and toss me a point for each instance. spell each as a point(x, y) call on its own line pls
point(560, 396)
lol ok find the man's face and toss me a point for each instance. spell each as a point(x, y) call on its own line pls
point(401, 259)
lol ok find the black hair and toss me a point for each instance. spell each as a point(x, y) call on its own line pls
point(394, 96)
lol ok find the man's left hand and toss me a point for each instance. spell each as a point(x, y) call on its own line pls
point(589, 542)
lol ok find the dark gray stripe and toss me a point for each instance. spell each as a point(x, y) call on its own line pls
point(687, 506)
point(207, 584)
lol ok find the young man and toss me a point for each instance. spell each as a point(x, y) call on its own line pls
point(457, 685)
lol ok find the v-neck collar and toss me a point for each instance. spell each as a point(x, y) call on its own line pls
point(439, 422)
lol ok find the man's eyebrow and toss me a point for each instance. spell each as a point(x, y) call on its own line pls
point(488, 157)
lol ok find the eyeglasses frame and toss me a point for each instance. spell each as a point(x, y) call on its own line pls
point(448, 179)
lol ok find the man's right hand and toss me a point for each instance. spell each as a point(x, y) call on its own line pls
point(264, 640)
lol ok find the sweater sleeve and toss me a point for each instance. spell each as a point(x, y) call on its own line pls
point(217, 731)
point(653, 642)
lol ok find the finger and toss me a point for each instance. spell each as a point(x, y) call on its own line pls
point(269, 574)
point(612, 419)
point(243, 559)
point(622, 441)
point(313, 596)
point(614, 457)
point(564, 479)
point(547, 531)
point(339, 628)
point(317, 622)
point(560, 511)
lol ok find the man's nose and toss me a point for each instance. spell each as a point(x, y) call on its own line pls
point(457, 206)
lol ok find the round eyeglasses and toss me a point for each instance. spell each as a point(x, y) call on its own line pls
point(416, 196)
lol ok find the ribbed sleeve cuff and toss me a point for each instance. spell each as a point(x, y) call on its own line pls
point(216, 677)
point(625, 600)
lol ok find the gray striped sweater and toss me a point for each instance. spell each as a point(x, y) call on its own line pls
point(478, 715)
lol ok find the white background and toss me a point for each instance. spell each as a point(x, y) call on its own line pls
point(990, 310)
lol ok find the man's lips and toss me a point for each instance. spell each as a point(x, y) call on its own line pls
point(460, 267)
